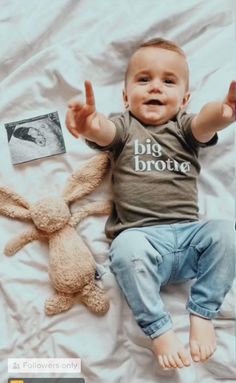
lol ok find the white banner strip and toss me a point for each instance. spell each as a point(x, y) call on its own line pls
point(44, 365)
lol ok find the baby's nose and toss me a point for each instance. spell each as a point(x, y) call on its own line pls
point(155, 86)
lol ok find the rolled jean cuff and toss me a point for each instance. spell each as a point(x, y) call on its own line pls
point(158, 328)
point(193, 308)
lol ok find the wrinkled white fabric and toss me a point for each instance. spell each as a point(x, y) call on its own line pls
point(47, 51)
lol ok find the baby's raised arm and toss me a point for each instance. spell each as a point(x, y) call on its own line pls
point(215, 116)
point(83, 119)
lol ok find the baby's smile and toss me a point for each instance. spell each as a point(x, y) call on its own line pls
point(153, 101)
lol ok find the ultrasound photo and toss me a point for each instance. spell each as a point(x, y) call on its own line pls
point(35, 138)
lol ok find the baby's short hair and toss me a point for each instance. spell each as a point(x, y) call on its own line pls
point(163, 43)
point(159, 42)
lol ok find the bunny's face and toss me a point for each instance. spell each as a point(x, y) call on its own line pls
point(50, 214)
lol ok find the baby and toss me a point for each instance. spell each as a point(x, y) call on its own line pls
point(157, 237)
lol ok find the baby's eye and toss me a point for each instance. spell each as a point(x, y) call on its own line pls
point(169, 81)
point(143, 79)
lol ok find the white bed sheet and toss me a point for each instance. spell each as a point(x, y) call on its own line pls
point(47, 51)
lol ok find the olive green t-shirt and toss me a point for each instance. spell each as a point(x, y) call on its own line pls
point(154, 173)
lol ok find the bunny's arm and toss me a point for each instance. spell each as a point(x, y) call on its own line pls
point(23, 239)
point(93, 208)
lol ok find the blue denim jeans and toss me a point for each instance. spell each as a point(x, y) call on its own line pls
point(145, 259)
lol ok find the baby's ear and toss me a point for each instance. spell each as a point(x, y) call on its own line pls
point(125, 99)
point(186, 99)
point(86, 179)
point(13, 205)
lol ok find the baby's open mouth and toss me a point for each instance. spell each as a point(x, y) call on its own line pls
point(153, 102)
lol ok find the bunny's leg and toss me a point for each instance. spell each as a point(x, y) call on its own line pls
point(95, 299)
point(58, 303)
point(21, 240)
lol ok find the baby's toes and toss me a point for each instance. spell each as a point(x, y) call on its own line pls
point(161, 362)
point(166, 361)
point(203, 353)
point(184, 358)
point(172, 361)
point(195, 351)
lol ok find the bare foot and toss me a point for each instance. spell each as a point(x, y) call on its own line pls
point(170, 351)
point(202, 339)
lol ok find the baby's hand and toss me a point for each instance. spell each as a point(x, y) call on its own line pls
point(82, 117)
point(229, 103)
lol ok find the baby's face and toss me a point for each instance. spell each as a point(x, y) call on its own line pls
point(156, 87)
point(38, 136)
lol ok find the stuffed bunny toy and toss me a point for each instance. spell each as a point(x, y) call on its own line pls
point(71, 264)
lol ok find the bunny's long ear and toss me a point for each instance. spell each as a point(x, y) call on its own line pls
point(85, 180)
point(13, 205)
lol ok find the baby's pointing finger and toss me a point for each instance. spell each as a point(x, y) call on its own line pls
point(90, 99)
